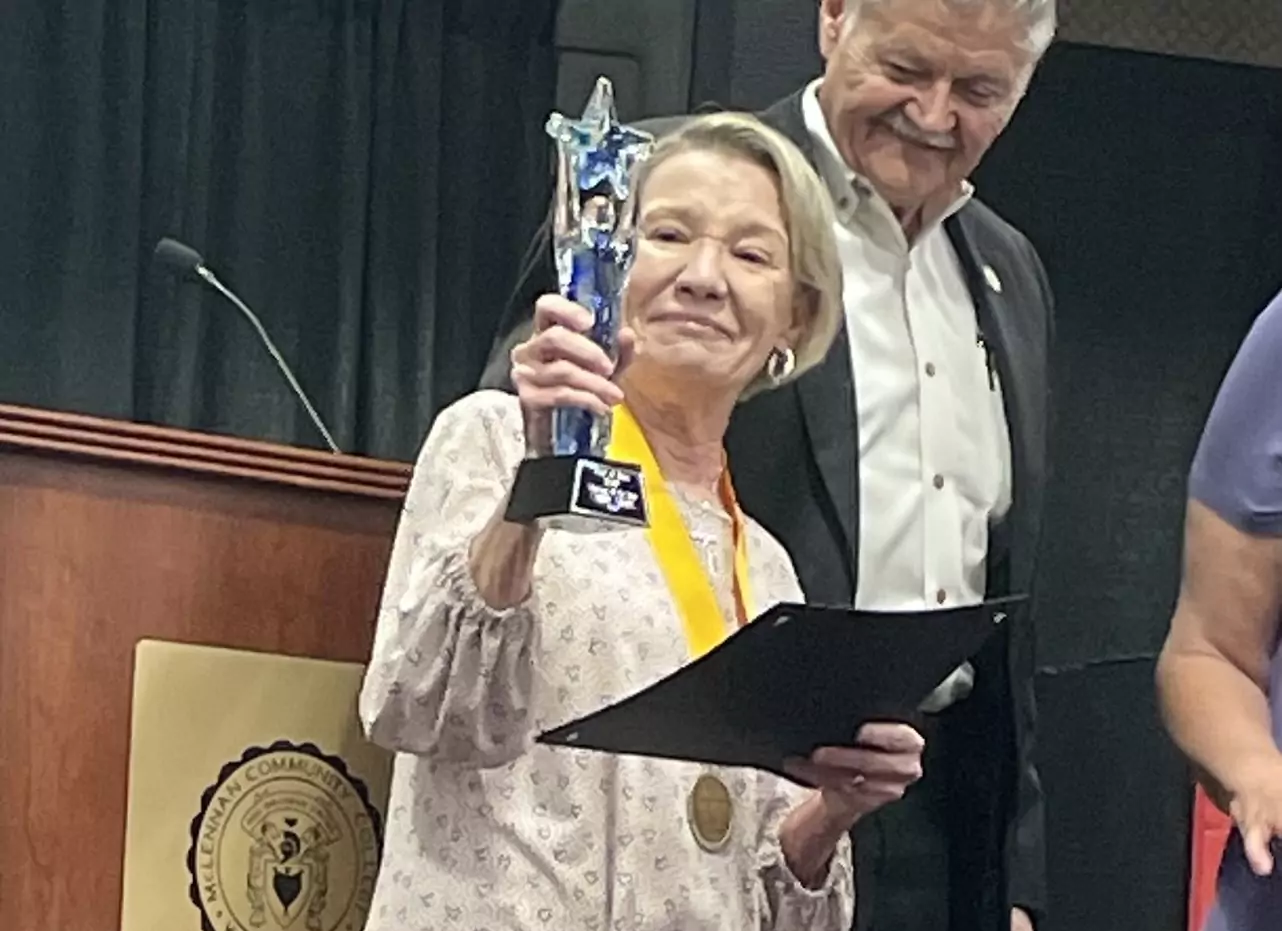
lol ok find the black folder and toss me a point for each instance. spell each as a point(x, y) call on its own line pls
point(796, 678)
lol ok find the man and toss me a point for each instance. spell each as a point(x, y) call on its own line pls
point(908, 470)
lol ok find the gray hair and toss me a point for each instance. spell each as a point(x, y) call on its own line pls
point(1039, 14)
point(807, 215)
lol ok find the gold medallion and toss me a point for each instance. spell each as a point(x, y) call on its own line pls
point(710, 812)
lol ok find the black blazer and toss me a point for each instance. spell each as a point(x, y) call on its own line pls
point(794, 455)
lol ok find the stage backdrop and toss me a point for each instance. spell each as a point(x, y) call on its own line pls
point(364, 173)
point(1152, 186)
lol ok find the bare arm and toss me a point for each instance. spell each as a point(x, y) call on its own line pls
point(809, 838)
point(806, 869)
point(852, 782)
point(501, 560)
point(804, 862)
point(1213, 671)
point(1213, 674)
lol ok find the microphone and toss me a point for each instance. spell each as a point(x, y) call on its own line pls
point(185, 260)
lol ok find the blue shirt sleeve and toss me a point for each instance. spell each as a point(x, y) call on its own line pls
point(1237, 470)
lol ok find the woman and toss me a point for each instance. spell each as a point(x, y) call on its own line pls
point(491, 632)
point(1220, 672)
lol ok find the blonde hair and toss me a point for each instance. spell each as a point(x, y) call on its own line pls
point(807, 214)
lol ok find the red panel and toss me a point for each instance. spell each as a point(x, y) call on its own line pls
point(1210, 833)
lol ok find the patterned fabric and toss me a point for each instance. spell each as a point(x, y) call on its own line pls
point(488, 831)
point(1246, 31)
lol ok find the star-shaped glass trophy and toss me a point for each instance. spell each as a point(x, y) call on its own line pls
point(593, 242)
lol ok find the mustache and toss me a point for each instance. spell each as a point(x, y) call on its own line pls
point(900, 124)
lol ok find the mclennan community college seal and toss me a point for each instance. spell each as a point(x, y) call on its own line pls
point(286, 838)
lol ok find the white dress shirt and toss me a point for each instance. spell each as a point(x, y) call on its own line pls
point(934, 449)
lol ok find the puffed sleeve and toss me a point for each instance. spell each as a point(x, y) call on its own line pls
point(449, 677)
point(785, 902)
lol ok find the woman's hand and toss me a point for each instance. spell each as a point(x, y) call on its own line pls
point(852, 782)
point(856, 781)
point(1256, 807)
point(557, 366)
point(560, 366)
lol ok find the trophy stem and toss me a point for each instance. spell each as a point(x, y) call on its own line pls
point(593, 232)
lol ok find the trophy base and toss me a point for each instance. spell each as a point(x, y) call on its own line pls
point(581, 494)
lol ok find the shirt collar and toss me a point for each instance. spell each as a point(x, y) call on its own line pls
point(848, 188)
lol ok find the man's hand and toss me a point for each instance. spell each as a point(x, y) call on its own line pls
point(856, 781)
point(1020, 920)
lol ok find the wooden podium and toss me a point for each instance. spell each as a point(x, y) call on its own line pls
point(113, 532)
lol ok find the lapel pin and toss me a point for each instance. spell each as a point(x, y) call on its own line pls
point(990, 275)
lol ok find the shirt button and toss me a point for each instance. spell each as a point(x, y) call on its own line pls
point(939, 481)
point(941, 596)
point(930, 369)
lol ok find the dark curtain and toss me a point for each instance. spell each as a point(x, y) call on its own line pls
point(1152, 186)
point(364, 173)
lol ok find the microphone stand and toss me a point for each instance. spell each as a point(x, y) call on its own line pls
point(212, 279)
